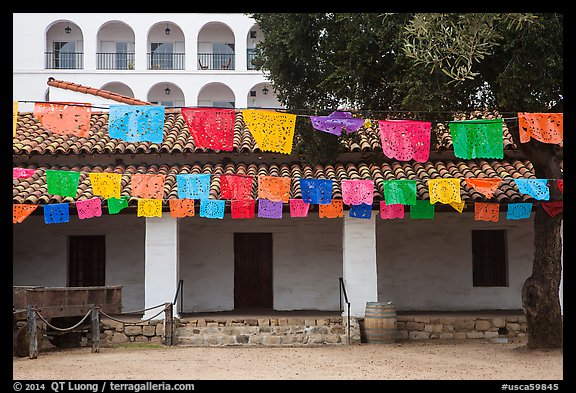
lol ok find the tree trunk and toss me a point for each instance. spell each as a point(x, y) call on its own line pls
point(540, 293)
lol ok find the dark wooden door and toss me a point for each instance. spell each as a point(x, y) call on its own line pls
point(252, 270)
point(86, 261)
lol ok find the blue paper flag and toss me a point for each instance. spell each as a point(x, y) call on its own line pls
point(56, 213)
point(316, 191)
point(518, 211)
point(136, 123)
point(193, 186)
point(536, 188)
point(212, 208)
point(362, 210)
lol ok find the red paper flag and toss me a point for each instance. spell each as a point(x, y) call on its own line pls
point(242, 208)
point(553, 208)
point(211, 128)
point(237, 187)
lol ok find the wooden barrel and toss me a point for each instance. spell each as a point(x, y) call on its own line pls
point(380, 322)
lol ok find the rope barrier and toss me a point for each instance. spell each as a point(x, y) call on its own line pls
point(143, 310)
point(130, 322)
point(63, 329)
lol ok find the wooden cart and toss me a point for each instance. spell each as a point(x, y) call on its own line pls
point(62, 307)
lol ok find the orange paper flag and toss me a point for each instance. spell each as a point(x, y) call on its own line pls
point(147, 186)
point(486, 211)
point(274, 188)
point(181, 208)
point(544, 127)
point(21, 211)
point(333, 210)
point(64, 118)
point(485, 186)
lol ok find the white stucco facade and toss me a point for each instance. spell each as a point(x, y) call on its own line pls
point(417, 264)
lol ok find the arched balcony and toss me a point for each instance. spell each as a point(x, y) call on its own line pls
point(166, 47)
point(216, 47)
point(64, 47)
point(115, 49)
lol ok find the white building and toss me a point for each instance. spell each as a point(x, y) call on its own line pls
point(174, 59)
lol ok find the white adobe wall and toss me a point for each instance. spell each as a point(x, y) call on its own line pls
point(427, 264)
point(40, 256)
point(306, 266)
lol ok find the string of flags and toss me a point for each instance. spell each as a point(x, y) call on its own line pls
point(273, 192)
point(273, 131)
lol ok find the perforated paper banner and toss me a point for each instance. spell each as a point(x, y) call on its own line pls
point(335, 122)
point(518, 211)
point(149, 207)
point(298, 208)
point(242, 208)
point(180, 208)
point(486, 211)
point(115, 205)
point(269, 209)
point(485, 186)
point(21, 211)
point(422, 210)
point(236, 187)
point(444, 190)
point(14, 117)
point(89, 208)
point(362, 210)
point(316, 191)
point(544, 127)
point(70, 118)
point(272, 131)
point(56, 213)
point(136, 123)
point(482, 138)
point(212, 208)
point(405, 139)
point(22, 173)
point(63, 183)
point(150, 186)
point(536, 188)
point(211, 128)
point(356, 192)
point(458, 206)
point(390, 212)
point(334, 210)
point(401, 192)
point(193, 186)
point(553, 208)
point(106, 185)
point(560, 184)
point(274, 188)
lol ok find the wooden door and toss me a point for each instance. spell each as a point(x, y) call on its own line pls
point(252, 270)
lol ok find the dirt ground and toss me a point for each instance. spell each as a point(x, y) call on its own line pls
point(408, 360)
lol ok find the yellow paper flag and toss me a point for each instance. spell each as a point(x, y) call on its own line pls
point(272, 131)
point(106, 185)
point(444, 190)
point(149, 207)
point(458, 206)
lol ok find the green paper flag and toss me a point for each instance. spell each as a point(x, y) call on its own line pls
point(423, 209)
point(63, 183)
point(402, 192)
point(117, 204)
point(481, 138)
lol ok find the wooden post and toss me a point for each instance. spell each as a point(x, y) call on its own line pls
point(32, 332)
point(95, 317)
point(168, 323)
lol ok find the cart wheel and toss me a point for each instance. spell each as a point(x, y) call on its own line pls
point(21, 341)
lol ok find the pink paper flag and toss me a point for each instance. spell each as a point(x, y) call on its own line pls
point(356, 192)
point(89, 208)
point(389, 212)
point(298, 208)
point(22, 173)
point(405, 139)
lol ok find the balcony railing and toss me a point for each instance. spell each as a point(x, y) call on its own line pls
point(64, 60)
point(115, 61)
point(166, 61)
point(216, 61)
point(250, 55)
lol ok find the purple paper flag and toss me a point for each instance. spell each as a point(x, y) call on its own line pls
point(269, 209)
point(335, 122)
